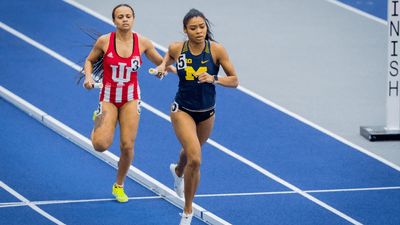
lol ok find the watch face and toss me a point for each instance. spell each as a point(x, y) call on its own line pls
point(216, 77)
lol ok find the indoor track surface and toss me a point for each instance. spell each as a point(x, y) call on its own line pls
point(260, 166)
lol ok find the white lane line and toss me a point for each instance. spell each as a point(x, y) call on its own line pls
point(293, 192)
point(104, 19)
point(354, 189)
point(323, 130)
point(369, 16)
point(13, 204)
point(245, 194)
point(41, 47)
point(215, 144)
point(91, 200)
point(26, 201)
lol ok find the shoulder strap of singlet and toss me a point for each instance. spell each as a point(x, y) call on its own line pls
point(136, 44)
point(111, 42)
point(207, 49)
point(185, 47)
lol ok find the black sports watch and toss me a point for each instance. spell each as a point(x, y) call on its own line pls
point(215, 79)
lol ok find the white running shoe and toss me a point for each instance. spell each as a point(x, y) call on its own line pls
point(186, 218)
point(178, 184)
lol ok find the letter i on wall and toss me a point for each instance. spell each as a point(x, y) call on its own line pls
point(393, 98)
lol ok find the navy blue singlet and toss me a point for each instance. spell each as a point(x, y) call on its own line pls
point(192, 95)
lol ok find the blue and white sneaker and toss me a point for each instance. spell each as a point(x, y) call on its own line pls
point(178, 183)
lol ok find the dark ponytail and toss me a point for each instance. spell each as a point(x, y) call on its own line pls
point(97, 66)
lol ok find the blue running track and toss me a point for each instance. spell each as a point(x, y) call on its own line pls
point(261, 165)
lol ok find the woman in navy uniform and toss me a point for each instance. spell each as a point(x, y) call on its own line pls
point(193, 111)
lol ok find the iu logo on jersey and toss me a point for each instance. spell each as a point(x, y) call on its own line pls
point(122, 73)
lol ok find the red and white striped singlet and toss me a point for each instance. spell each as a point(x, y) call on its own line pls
point(120, 83)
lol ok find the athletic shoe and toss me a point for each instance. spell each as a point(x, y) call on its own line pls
point(118, 192)
point(186, 218)
point(94, 115)
point(178, 184)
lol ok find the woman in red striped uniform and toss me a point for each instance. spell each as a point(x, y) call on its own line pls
point(120, 94)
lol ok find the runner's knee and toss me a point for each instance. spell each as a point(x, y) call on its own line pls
point(101, 145)
point(194, 162)
point(127, 149)
point(127, 146)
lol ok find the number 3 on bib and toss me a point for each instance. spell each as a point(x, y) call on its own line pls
point(135, 64)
